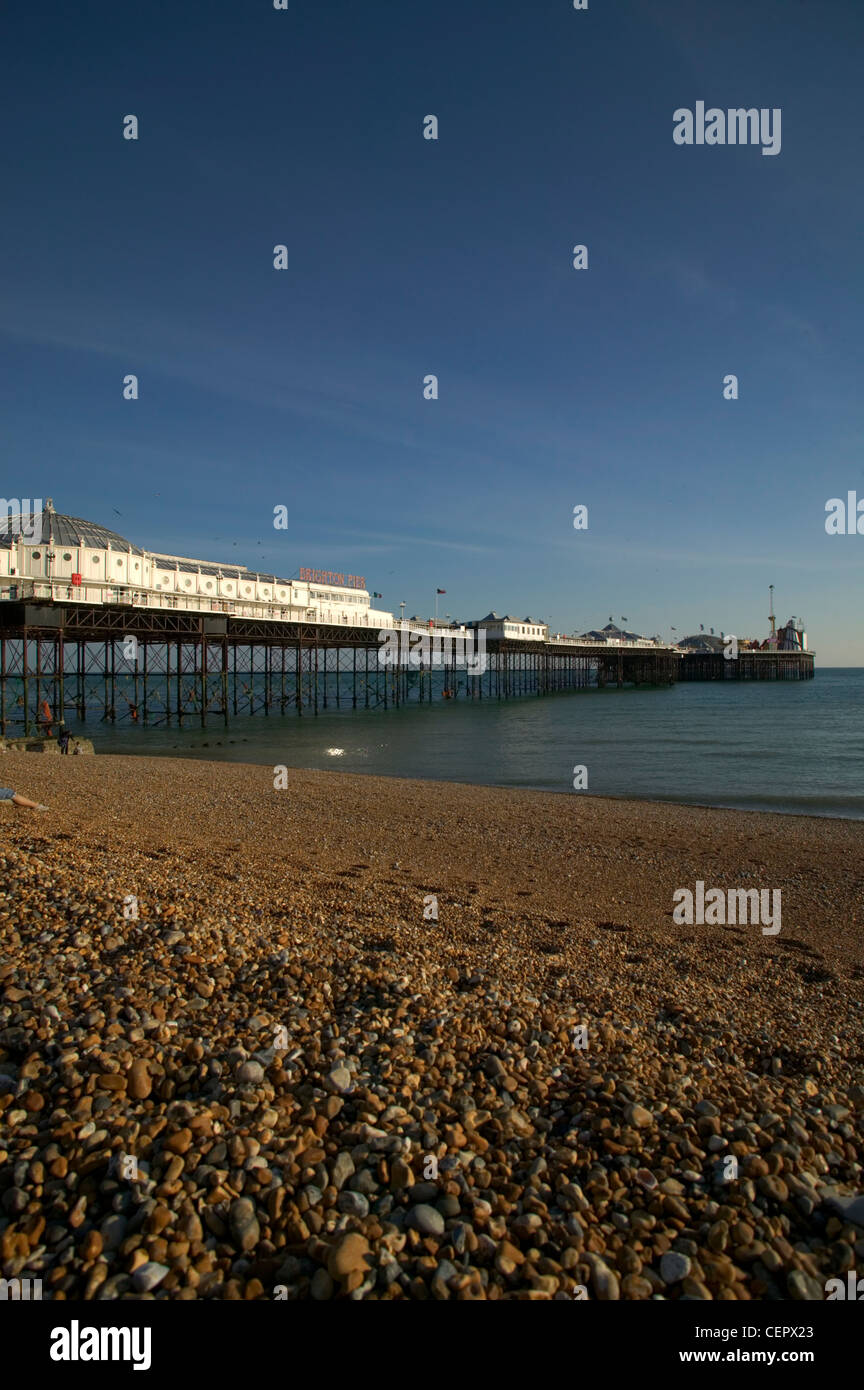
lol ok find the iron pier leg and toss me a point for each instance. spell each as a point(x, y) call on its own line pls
point(25, 673)
point(203, 649)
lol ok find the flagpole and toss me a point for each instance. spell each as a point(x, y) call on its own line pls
point(436, 605)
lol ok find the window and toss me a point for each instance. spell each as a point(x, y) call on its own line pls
point(66, 555)
point(95, 559)
point(37, 555)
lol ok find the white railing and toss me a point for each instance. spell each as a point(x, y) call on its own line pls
point(614, 643)
point(191, 603)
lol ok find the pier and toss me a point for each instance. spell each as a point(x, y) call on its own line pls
point(749, 665)
point(94, 627)
point(127, 665)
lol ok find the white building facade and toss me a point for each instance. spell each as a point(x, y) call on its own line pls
point(51, 557)
point(518, 629)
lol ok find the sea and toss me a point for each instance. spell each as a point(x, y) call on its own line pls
point(795, 747)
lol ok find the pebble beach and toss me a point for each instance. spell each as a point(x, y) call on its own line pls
point(375, 1039)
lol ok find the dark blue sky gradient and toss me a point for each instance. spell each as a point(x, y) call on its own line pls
point(409, 257)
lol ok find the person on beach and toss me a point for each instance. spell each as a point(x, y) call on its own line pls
point(63, 737)
point(47, 718)
point(7, 794)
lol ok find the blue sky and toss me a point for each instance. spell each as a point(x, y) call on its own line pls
point(408, 257)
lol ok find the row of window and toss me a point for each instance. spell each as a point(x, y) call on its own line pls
point(339, 598)
point(37, 555)
point(319, 597)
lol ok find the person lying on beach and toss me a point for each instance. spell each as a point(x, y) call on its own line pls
point(7, 794)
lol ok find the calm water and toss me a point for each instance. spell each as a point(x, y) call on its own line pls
point(792, 746)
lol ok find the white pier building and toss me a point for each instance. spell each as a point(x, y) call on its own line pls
point(63, 559)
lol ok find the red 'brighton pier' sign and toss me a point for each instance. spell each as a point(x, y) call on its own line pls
point(344, 581)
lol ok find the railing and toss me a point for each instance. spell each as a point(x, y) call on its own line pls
point(191, 603)
point(614, 644)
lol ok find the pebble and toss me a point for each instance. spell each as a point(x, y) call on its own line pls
point(850, 1208)
point(804, 1287)
point(302, 1157)
point(148, 1276)
point(637, 1115)
point(243, 1224)
point(322, 1286)
point(427, 1220)
point(342, 1169)
point(353, 1203)
point(139, 1084)
point(348, 1258)
point(606, 1284)
point(340, 1079)
point(674, 1267)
